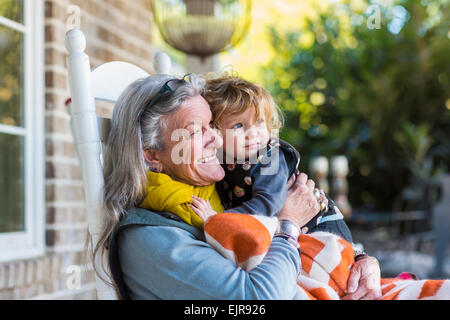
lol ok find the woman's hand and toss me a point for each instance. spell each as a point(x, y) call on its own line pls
point(301, 204)
point(364, 280)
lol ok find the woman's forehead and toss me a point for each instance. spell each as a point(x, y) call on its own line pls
point(194, 109)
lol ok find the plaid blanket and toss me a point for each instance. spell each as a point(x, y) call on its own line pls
point(326, 259)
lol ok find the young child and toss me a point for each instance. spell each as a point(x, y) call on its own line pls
point(257, 165)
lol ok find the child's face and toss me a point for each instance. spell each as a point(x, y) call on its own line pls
point(243, 134)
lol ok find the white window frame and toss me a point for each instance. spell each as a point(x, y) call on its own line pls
point(31, 242)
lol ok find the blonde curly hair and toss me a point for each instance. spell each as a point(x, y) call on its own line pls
point(232, 95)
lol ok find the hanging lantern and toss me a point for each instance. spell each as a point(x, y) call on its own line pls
point(202, 27)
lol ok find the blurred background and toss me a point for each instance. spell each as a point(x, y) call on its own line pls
point(364, 86)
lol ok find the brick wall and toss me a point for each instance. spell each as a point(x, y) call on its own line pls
point(115, 30)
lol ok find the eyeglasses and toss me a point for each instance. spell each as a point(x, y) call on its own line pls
point(168, 87)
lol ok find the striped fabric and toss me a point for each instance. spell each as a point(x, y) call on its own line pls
point(326, 259)
point(242, 238)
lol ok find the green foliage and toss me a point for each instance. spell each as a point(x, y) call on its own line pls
point(379, 96)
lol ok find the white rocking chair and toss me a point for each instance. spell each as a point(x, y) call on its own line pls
point(104, 83)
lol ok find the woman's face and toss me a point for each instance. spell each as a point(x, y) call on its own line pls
point(191, 144)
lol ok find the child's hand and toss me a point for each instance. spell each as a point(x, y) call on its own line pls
point(202, 208)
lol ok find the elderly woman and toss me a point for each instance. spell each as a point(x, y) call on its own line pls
point(161, 140)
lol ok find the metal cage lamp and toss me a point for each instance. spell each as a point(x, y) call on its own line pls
point(202, 27)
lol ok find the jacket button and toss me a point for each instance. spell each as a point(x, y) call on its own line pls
point(246, 166)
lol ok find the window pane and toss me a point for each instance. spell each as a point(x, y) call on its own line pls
point(11, 77)
point(12, 210)
point(12, 9)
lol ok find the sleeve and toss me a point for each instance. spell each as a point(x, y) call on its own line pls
point(169, 263)
point(269, 189)
point(337, 227)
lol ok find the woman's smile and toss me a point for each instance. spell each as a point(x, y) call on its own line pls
point(209, 159)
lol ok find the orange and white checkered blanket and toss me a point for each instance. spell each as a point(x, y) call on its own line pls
point(326, 259)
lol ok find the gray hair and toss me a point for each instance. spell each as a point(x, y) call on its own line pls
point(134, 128)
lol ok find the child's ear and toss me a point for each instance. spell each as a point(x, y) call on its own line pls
point(152, 158)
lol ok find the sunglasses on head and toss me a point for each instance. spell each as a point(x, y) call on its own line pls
point(168, 88)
